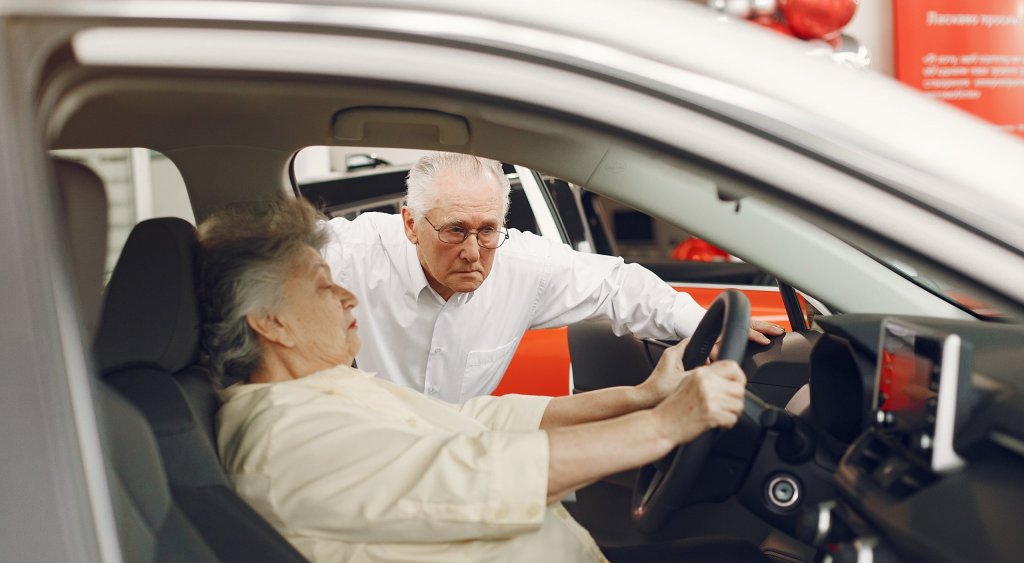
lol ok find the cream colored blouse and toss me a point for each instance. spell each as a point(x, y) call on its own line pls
point(349, 467)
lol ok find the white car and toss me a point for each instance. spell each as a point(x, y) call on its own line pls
point(901, 220)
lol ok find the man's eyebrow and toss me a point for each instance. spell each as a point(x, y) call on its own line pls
point(447, 221)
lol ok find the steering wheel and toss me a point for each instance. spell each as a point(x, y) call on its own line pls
point(662, 486)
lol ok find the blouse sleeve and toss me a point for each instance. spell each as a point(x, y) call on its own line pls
point(507, 412)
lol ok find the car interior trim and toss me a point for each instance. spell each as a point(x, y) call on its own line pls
point(83, 412)
point(1012, 443)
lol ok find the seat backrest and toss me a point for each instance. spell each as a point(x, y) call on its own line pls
point(150, 527)
point(148, 346)
point(601, 359)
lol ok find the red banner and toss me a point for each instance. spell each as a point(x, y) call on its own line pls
point(969, 53)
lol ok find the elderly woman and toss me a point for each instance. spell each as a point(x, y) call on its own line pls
point(350, 467)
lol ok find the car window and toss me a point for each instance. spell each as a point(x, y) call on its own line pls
point(348, 181)
point(140, 184)
point(637, 236)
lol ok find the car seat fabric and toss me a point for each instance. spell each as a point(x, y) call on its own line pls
point(148, 346)
point(150, 526)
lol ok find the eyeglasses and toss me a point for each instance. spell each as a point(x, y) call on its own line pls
point(487, 237)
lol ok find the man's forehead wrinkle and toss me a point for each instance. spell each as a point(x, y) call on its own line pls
point(467, 198)
point(454, 184)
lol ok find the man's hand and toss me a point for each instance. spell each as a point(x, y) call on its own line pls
point(761, 330)
point(759, 333)
point(709, 397)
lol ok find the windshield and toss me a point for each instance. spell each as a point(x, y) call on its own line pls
point(942, 286)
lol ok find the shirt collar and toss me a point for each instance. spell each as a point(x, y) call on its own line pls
point(415, 279)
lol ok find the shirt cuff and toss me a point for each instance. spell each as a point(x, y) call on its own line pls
point(688, 314)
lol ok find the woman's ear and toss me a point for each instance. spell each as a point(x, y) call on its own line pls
point(268, 327)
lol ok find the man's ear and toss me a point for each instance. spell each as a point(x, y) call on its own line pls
point(409, 223)
point(270, 328)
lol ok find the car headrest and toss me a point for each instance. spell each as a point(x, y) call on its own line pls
point(84, 208)
point(151, 313)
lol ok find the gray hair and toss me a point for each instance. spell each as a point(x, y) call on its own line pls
point(420, 194)
point(245, 254)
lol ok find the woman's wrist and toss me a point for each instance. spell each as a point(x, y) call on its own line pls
point(647, 395)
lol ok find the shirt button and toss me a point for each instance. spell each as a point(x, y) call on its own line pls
point(501, 513)
point(534, 510)
point(431, 390)
point(437, 350)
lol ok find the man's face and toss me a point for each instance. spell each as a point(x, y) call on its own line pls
point(472, 202)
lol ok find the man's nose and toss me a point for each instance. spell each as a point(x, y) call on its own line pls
point(470, 249)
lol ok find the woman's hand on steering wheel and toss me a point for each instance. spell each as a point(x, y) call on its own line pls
point(709, 397)
point(666, 377)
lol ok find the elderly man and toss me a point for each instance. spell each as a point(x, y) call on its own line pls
point(451, 292)
point(354, 468)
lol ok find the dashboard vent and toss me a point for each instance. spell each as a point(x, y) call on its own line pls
point(891, 468)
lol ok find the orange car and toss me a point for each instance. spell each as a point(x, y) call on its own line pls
point(554, 208)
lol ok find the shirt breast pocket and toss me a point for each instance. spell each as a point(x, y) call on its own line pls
point(484, 369)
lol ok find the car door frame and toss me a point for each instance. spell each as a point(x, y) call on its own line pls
point(54, 487)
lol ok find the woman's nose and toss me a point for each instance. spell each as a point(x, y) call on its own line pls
point(348, 299)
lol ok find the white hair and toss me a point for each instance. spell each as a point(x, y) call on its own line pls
point(420, 194)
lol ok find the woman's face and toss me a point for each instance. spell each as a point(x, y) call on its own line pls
point(318, 313)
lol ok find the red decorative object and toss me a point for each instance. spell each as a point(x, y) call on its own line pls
point(814, 19)
point(694, 249)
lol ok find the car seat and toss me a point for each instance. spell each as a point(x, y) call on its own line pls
point(147, 346)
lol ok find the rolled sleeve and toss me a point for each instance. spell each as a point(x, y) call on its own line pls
point(520, 485)
point(507, 412)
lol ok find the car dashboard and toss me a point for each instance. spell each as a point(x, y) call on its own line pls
point(926, 418)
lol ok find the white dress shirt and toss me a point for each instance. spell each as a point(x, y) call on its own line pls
point(460, 348)
point(349, 467)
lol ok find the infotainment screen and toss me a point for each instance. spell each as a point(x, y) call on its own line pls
point(920, 375)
